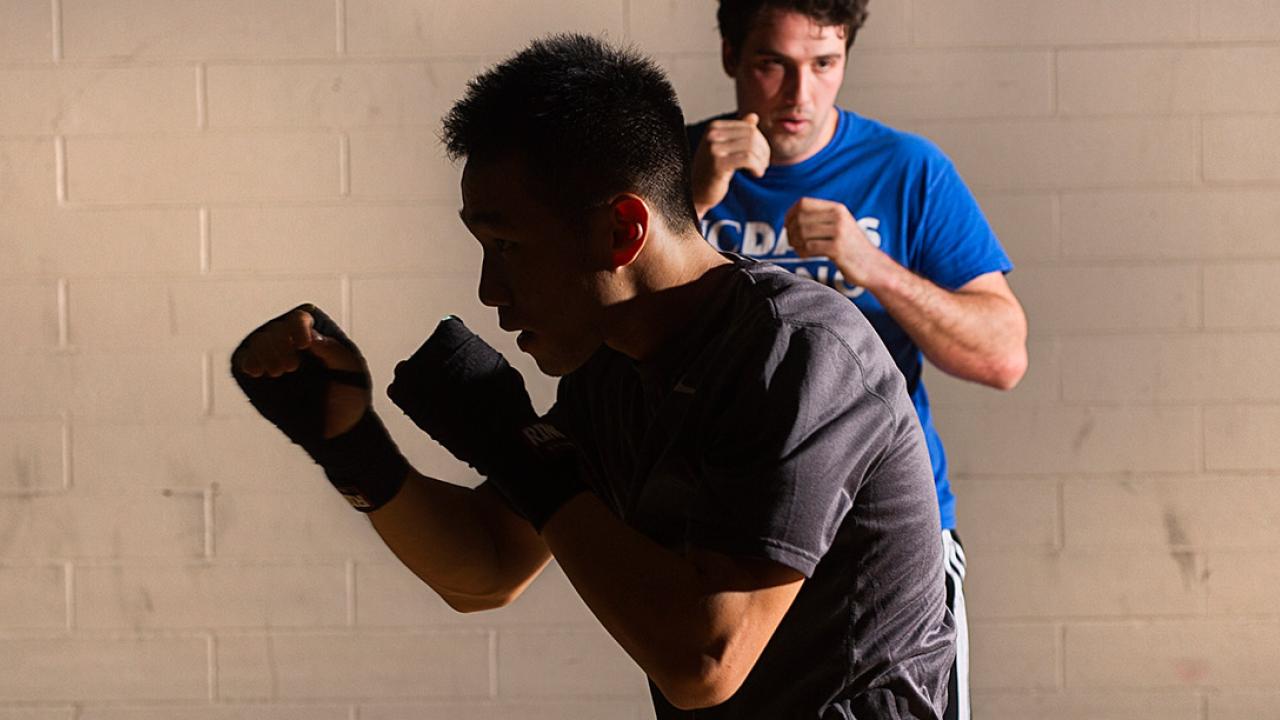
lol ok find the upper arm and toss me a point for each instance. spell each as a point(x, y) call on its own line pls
point(778, 472)
point(776, 478)
point(951, 243)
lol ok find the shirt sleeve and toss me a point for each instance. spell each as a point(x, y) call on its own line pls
point(784, 455)
point(954, 242)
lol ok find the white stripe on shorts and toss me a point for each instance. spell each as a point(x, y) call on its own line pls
point(954, 563)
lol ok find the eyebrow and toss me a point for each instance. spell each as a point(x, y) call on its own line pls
point(766, 52)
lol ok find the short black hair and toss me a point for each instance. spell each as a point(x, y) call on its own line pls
point(592, 119)
point(737, 17)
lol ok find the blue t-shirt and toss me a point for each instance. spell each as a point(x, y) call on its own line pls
point(911, 203)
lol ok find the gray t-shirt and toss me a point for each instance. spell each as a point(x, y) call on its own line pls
point(778, 427)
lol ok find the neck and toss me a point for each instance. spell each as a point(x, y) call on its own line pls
point(825, 134)
point(669, 288)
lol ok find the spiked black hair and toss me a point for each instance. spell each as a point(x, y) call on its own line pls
point(591, 119)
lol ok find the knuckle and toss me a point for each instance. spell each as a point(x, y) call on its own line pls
point(300, 318)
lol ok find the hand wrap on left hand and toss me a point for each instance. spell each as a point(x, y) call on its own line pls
point(465, 395)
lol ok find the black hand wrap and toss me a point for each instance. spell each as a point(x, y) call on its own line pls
point(363, 463)
point(466, 396)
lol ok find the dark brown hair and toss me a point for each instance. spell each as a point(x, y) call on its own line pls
point(737, 17)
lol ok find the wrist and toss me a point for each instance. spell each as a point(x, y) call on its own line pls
point(876, 272)
point(703, 205)
point(541, 475)
point(363, 463)
point(709, 192)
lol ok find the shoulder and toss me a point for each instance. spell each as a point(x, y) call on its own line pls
point(789, 317)
point(904, 147)
point(779, 297)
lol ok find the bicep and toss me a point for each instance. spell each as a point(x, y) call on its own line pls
point(778, 470)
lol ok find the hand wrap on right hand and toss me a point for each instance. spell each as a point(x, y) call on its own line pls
point(363, 463)
point(465, 395)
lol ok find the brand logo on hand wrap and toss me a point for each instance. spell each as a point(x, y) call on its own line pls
point(545, 439)
point(759, 240)
point(542, 433)
point(355, 497)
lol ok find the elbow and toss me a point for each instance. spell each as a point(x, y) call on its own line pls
point(476, 603)
point(999, 368)
point(1009, 371)
point(704, 683)
point(1009, 363)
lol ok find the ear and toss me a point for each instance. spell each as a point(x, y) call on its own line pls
point(728, 59)
point(629, 228)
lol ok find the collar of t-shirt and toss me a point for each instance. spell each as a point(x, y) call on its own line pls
point(660, 372)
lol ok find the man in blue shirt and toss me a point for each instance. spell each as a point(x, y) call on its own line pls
point(878, 214)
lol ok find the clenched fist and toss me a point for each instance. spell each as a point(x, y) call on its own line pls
point(306, 376)
point(822, 228)
point(328, 365)
point(463, 393)
point(727, 146)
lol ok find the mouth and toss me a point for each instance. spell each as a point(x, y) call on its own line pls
point(507, 323)
point(524, 340)
point(792, 123)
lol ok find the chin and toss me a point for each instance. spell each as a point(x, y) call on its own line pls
point(549, 362)
point(789, 146)
point(552, 368)
point(559, 364)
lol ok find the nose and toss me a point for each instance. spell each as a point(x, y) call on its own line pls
point(493, 290)
point(796, 85)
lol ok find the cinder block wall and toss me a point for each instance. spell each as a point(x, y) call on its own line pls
point(173, 172)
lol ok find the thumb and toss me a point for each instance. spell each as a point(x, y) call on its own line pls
point(751, 119)
point(332, 353)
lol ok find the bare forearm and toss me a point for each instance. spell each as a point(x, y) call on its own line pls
point(457, 540)
point(672, 614)
point(976, 336)
point(646, 602)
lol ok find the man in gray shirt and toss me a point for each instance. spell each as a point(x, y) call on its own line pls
point(775, 427)
point(732, 476)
